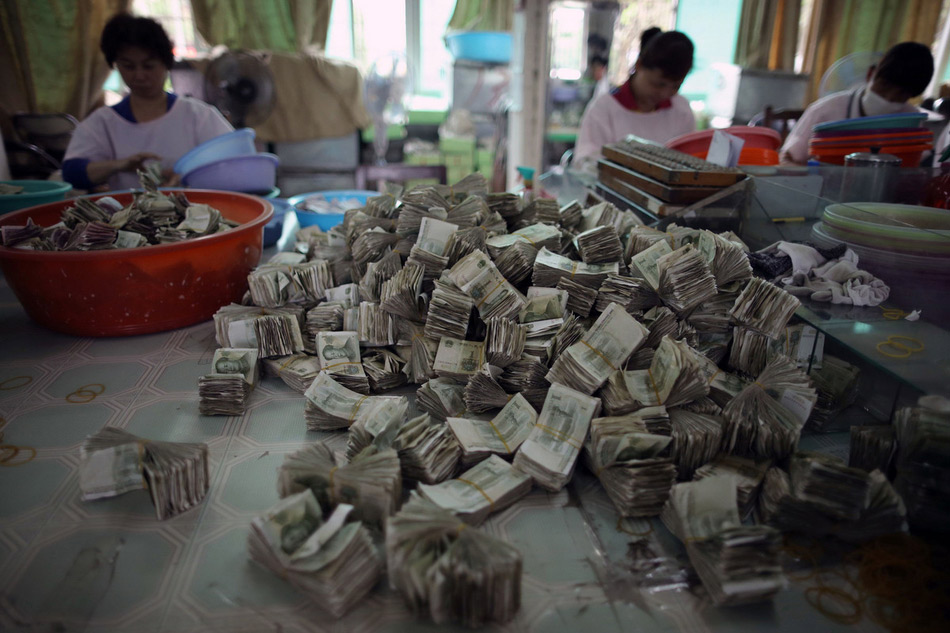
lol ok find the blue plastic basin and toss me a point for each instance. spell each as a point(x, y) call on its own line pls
point(480, 46)
point(327, 221)
point(236, 143)
point(274, 228)
point(34, 192)
point(257, 172)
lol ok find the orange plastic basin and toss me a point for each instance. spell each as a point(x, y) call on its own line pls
point(123, 292)
point(910, 155)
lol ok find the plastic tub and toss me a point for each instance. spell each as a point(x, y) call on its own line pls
point(326, 220)
point(872, 132)
point(236, 143)
point(890, 227)
point(480, 46)
point(884, 121)
point(754, 137)
point(124, 292)
point(755, 156)
point(257, 172)
point(910, 155)
point(34, 192)
point(274, 228)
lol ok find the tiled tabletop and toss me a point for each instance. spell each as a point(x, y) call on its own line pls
point(110, 565)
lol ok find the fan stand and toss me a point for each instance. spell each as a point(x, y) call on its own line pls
point(380, 141)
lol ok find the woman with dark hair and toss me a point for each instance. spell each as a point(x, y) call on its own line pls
point(149, 124)
point(647, 105)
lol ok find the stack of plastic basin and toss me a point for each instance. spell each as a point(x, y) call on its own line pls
point(900, 135)
point(906, 246)
point(229, 162)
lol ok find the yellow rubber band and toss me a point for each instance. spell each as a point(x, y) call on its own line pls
point(557, 434)
point(357, 408)
point(498, 433)
point(491, 502)
point(491, 292)
point(596, 351)
point(656, 391)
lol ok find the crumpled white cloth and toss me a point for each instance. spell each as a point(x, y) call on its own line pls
point(835, 280)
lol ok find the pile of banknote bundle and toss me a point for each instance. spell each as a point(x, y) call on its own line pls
point(490, 486)
point(276, 284)
point(113, 462)
point(441, 398)
point(737, 564)
point(371, 482)
point(273, 331)
point(451, 571)
point(332, 562)
point(427, 448)
point(923, 467)
point(339, 356)
point(483, 393)
point(378, 425)
point(632, 464)
point(675, 377)
point(599, 245)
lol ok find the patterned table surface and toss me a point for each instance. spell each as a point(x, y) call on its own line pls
point(111, 566)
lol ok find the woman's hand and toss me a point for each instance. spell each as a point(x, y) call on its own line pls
point(100, 171)
point(170, 178)
point(135, 161)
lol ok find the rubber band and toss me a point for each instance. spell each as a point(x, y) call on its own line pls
point(713, 377)
point(9, 463)
point(491, 502)
point(286, 364)
point(596, 351)
point(656, 391)
point(4, 386)
point(557, 434)
point(895, 338)
point(573, 269)
point(490, 293)
point(620, 528)
point(349, 362)
point(357, 408)
point(843, 596)
point(884, 344)
point(498, 433)
point(460, 528)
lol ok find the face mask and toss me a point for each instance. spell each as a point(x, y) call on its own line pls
point(874, 104)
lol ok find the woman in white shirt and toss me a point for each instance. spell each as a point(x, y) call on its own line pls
point(902, 74)
point(647, 104)
point(149, 124)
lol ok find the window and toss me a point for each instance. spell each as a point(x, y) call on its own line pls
point(568, 47)
point(177, 19)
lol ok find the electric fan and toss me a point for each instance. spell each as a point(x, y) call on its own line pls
point(384, 92)
point(241, 86)
point(848, 72)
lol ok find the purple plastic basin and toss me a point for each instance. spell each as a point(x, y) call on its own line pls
point(257, 172)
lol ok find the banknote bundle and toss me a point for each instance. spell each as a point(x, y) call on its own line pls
point(376, 326)
point(226, 390)
point(516, 262)
point(550, 268)
point(661, 321)
point(587, 364)
point(458, 359)
point(441, 398)
point(675, 376)
point(469, 212)
point(737, 564)
point(384, 369)
point(580, 298)
point(421, 351)
point(113, 462)
point(746, 473)
point(449, 311)
point(428, 450)
point(493, 295)
point(326, 317)
point(764, 307)
point(537, 236)
point(502, 434)
point(339, 356)
point(429, 251)
point(332, 562)
point(507, 205)
point(463, 242)
point(632, 464)
point(401, 295)
point(504, 341)
point(615, 396)
point(371, 283)
point(766, 418)
point(274, 285)
point(539, 210)
point(412, 213)
point(923, 468)
point(599, 245)
point(297, 370)
point(371, 482)
point(330, 405)
point(378, 425)
point(696, 440)
point(371, 245)
point(873, 447)
point(527, 377)
point(549, 454)
point(836, 383)
point(450, 571)
point(629, 292)
point(489, 487)
point(273, 331)
point(729, 262)
point(750, 351)
point(685, 280)
point(483, 393)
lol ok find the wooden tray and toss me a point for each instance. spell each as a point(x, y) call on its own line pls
point(649, 203)
point(679, 194)
point(670, 166)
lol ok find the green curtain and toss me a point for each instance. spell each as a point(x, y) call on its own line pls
point(768, 34)
point(49, 54)
point(482, 15)
point(283, 26)
point(840, 27)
